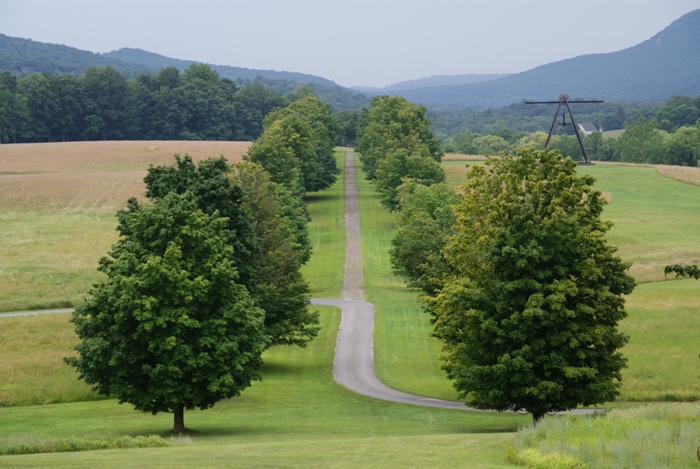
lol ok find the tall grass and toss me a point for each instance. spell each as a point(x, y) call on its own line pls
point(57, 211)
point(660, 436)
point(656, 218)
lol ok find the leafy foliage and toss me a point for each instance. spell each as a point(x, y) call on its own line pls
point(267, 229)
point(280, 223)
point(530, 320)
point(286, 151)
point(213, 192)
point(396, 144)
point(393, 123)
point(424, 222)
point(170, 328)
point(683, 270)
point(323, 134)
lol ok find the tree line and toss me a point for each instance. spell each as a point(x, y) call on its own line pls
point(103, 104)
point(643, 141)
point(665, 134)
point(524, 292)
point(206, 275)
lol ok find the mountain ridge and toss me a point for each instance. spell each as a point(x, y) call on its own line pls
point(146, 58)
point(665, 65)
point(432, 81)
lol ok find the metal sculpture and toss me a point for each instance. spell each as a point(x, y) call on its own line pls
point(564, 101)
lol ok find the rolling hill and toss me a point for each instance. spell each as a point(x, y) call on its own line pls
point(663, 66)
point(24, 56)
point(432, 81)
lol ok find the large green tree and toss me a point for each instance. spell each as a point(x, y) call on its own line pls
point(170, 328)
point(267, 228)
point(320, 120)
point(400, 164)
point(213, 191)
point(424, 222)
point(531, 319)
point(392, 123)
point(286, 151)
point(279, 221)
point(642, 142)
point(683, 147)
point(106, 98)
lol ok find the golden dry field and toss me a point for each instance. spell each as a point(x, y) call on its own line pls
point(57, 210)
point(680, 173)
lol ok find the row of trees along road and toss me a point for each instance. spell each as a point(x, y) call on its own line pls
point(396, 144)
point(524, 291)
point(206, 276)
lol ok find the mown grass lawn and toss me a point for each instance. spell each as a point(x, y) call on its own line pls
point(298, 416)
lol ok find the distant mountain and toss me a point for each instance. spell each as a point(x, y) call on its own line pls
point(24, 56)
point(157, 61)
point(432, 81)
point(668, 64)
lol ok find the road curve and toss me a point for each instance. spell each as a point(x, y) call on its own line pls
point(353, 365)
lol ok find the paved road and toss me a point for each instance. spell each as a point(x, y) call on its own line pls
point(353, 366)
point(34, 313)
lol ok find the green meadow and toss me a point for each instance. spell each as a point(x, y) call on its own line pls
point(298, 416)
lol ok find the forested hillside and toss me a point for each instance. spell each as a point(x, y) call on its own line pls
point(22, 57)
point(436, 80)
point(665, 65)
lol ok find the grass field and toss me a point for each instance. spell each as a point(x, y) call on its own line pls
point(613, 133)
point(646, 209)
point(57, 211)
point(298, 416)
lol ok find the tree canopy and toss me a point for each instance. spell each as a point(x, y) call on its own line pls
point(323, 130)
point(267, 229)
point(297, 145)
point(170, 328)
point(392, 123)
point(424, 222)
point(104, 104)
point(530, 319)
point(280, 223)
point(396, 144)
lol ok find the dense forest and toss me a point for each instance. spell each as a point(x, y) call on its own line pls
point(197, 104)
point(23, 57)
point(103, 104)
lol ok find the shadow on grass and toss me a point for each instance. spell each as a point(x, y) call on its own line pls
point(320, 197)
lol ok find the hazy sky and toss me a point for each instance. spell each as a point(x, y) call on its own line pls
point(352, 42)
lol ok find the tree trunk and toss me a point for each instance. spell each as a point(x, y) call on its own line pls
point(537, 417)
point(179, 420)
